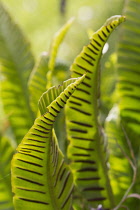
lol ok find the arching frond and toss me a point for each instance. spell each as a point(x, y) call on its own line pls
point(40, 177)
point(87, 149)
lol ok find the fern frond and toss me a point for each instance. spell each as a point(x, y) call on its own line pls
point(128, 87)
point(38, 79)
point(16, 64)
point(6, 153)
point(40, 177)
point(87, 149)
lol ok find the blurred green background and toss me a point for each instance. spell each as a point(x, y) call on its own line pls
point(40, 19)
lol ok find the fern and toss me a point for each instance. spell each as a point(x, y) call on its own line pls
point(87, 149)
point(16, 64)
point(128, 87)
point(6, 153)
point(40, 178)
point(120, 168)
point(128, 95)
point(38, 79)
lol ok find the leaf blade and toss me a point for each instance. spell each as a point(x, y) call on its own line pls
point(6, 153)
point(16, 64)
point(39, 168)
point(87, 149)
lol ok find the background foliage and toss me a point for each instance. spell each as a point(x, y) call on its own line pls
point(39, 21)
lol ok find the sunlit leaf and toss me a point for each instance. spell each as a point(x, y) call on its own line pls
point(57, 40)
point(40, 177)
point(87, 149)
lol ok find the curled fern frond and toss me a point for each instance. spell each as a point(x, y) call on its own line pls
point(87, 148)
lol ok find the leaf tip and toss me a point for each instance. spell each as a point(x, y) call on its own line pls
point(118, 18)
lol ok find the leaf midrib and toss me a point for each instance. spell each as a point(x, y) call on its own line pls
point(49, 177)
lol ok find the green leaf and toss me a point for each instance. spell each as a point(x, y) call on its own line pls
point(40, 177)
point(16, 64)
point(6, 153)
point(128, 87)
point(45, 100)
point(108, 82)
point(87, 149)
point(38, 79)
point(57, 40)
point(37, 86)
point(120, 169)
point(49, 96)
point(46, 72)
point(128, 69)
